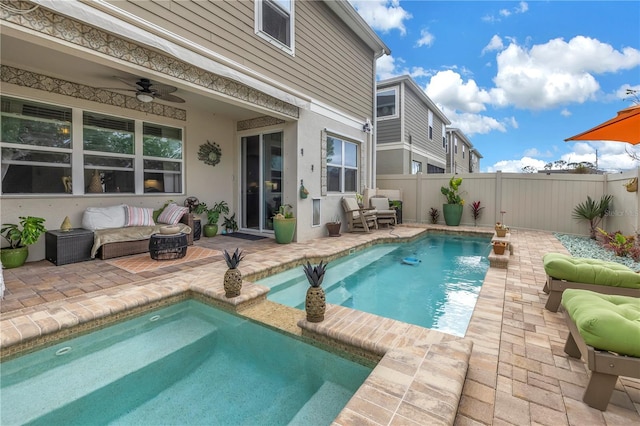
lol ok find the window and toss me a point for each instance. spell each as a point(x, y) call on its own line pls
point(434, 169)
point(274, 22)
point(430, 125)
point(342, 165)
point(38, 147)
point(455, 144)
point(315, 209)
point(387, 103)
point(444, 137)
point(462, 151)
point(416, 167)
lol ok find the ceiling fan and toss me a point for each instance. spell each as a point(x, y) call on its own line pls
point(147, 90)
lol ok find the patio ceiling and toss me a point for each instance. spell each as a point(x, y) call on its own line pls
point(100, 73)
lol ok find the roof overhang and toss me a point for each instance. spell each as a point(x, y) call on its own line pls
point(407, 80)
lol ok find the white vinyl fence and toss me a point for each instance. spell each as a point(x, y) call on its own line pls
point(530, 200)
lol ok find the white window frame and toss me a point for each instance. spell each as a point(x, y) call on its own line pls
point(462, 150)
point(396, 106)
point(416, 167)
point(444, 137)
point(78, 153)
point(455, 145)
point(343, 167)
point(430, 134)
point(258, 13)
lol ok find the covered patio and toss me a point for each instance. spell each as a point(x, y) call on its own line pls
point(517, 370)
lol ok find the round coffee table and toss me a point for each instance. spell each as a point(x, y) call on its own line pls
point(168, 247)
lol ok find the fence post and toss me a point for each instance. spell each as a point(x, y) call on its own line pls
point(498, 195)
point(418, 197)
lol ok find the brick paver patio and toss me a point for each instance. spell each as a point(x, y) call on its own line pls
point(517, 372)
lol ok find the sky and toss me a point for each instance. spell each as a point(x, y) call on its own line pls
point(518, 77)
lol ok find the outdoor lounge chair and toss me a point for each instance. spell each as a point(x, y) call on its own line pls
point(358, 219)
point(605, 331)
point(384, 215)
point(565, 272)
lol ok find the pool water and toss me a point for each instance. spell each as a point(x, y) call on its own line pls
point(185, 364)
point(437, 292)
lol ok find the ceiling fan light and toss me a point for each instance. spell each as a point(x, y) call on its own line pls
point(144, 97)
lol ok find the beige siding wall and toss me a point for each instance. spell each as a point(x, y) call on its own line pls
point(531, 201)
point(417, 125)
point(330, 64)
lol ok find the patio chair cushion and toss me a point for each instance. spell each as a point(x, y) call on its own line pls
point(590, 271)
point(95, 218)
point(606, 322)
point(381, 204)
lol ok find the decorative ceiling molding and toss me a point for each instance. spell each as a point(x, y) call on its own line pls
point(257, 122)
point(63, 28)
point(62, 87)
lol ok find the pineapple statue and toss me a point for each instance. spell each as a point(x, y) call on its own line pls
point(315, 304)
point(233, 277)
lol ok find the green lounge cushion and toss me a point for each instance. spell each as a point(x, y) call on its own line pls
point(606, 322)
point(590, 271)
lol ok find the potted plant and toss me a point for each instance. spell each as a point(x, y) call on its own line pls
point(501, 230)
point(213, 215)
point(315, 303)
point(453, 209)
point(284, 224)
point(230, 224)
point(233, 276)
point(499, 247)
point(19, 238)
point(333, 227)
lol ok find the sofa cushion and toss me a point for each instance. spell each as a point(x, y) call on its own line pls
point(590, 271)
point(172, 214)
point(606, 322)
point(138, 216)
point(95, 218)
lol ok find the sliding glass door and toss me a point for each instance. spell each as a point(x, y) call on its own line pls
point(262, 179)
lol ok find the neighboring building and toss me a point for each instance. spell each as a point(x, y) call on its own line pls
point(462, 157)
point(410, 129)
point(276, 93)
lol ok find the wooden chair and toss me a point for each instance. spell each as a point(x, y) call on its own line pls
point(384, 215)
point(358, 219)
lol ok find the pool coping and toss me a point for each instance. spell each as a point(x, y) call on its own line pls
point(420, 373)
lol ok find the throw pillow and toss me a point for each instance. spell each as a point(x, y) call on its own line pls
point(172, 214)
point(138, 216)
point(95, 218)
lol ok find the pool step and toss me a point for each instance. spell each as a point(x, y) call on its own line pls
point(292, 291)
point(314, 411)
point(50, 396)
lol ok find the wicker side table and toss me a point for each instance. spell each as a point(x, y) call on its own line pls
point(168, 247)
point(63, 247)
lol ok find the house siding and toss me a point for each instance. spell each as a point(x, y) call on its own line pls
point(417, 125)
point(227, 28)
point(388, 131)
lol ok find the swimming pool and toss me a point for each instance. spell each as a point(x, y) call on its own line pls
point(185, 364)
point(439, 291)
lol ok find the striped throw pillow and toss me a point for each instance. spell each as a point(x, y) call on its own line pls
point(172, 214)
point(138, 216)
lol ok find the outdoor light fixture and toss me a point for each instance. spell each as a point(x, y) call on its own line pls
point(144, 97)
point(367, 127)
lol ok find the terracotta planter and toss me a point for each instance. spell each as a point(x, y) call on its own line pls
point(501, 232)
point(334, 229)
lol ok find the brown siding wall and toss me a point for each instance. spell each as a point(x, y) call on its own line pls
point(331, 63)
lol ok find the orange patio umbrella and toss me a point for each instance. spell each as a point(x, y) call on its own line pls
point(623, 128)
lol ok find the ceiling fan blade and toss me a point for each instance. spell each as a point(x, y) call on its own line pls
point(169, 98)
point(117, 88)
point(162, 88)
point(127, 82)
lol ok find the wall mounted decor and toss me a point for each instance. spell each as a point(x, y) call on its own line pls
point(210, 153)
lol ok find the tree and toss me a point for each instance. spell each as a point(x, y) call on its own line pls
point(530, 169)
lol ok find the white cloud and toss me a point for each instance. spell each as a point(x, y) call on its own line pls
point(533, 152)
point(557, 72)
point(426, 39)
point(382, 15)
point(388, 67)
point(448, 88)
point(522, 7)
point(494, 44)
point(516, 166)
point(565, 113)
point(472, 124)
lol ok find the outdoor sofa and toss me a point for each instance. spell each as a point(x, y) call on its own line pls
point(125, 230)
point(565, 272)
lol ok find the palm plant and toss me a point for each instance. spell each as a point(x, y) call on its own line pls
point(592, 211)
